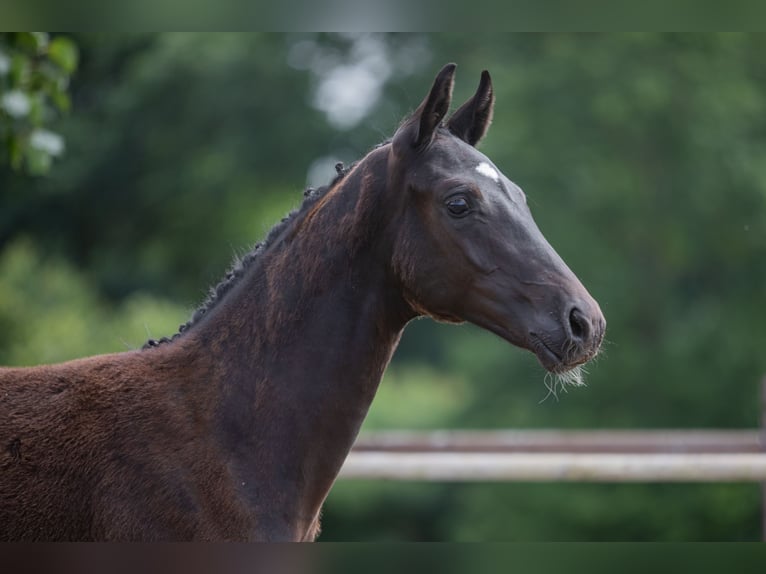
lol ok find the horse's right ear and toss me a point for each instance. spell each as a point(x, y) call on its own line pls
point(432, 110)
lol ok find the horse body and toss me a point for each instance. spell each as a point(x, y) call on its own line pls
point(234, 431)
point(237, 428)
point(74, 433)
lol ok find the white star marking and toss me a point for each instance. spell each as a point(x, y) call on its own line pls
point(487, 170)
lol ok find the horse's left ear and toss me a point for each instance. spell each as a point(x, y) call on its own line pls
point(471, 121)
point(431, 112)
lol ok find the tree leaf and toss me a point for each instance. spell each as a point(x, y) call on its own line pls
point(32, 42)
point(63, 52)
point(61, 100)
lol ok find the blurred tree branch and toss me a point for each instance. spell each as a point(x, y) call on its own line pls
point(35, 70)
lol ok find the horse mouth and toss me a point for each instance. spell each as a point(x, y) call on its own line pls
point(552, 360)
point(549, 358)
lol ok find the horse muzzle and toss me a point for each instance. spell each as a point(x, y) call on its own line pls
point(576, 341)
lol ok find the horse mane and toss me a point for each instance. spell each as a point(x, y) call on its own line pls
point(241, 265)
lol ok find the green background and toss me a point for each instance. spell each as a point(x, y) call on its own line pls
point(643, 157)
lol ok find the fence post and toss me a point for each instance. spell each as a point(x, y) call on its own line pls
point(763, 448)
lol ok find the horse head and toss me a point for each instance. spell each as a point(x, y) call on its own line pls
point(467, 247)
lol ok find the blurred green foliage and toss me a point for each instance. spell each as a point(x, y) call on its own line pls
point(644, 160)
point(49, 312)
point(35, 70)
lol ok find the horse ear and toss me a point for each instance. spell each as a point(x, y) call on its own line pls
point(431, 112)
point(471, 121)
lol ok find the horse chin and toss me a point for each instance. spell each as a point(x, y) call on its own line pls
point(566, 374)
point(548, 358)
point(549, 361)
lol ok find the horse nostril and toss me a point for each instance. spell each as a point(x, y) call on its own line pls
point(579, 325)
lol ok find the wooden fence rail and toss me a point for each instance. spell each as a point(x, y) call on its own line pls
point(668, 455)
point(595, 456)
point(542, 467)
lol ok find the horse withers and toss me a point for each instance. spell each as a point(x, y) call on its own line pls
point(236, 427)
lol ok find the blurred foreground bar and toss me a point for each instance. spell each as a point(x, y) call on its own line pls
point(583, 467)
point(671, 455)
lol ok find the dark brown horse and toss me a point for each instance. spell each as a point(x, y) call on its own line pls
point(236, 427)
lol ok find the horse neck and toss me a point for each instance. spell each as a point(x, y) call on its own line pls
point(298, 348)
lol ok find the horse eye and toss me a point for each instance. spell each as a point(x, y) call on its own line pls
point(458, 205)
